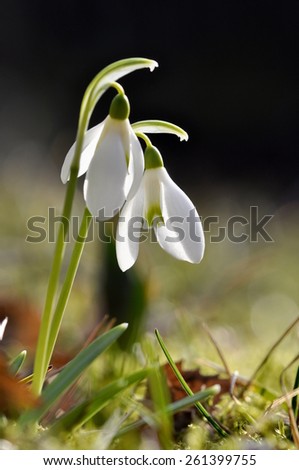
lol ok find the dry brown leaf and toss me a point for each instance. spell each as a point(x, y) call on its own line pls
point(196, 382)
point(14, 395)
point(23, 323)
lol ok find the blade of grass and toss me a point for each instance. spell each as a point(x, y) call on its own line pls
point(110, 391)
point(67, 398)
point(293, 424)
point(17, 362)
point(279, 401)
point(215, 425)
point(295, 402)
point(176, 406)
point(160, 396)
point(263, 362)
point(217, 347)
point(71, 372)
point(82, 413)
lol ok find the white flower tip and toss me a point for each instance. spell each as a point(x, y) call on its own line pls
point(216, 388)
point(153, 64)
point(125, 262)
point(189, 258)
point(125, 257)
point(2, 327)
point(64, 176)
point(124, 268)
point(199, 257)
point(184, 136)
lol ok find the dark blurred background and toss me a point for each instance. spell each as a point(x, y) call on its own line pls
point(228, 75)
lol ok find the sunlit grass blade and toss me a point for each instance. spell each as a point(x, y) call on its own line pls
point(160, 396)
point(17, 362)
point(82, 413)
point(72, 371)
point(222, 432)
point(176, 406)
point(192, 399)
point(295, 401)
point(293, 423)
point(267, 356)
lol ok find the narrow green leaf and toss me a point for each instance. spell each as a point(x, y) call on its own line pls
point(295, 402)
point(72, 371)
point(110, 391)
point(176, 406)
point(89, 408)
point(192, 399)
point(157, 127)
point(17, 362)
point(160, 396)
point(188, 390)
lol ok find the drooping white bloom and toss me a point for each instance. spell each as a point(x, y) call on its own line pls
point(2, 327)
point(112, 159)
point(161, 204)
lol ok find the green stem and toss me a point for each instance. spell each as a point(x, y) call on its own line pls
point(67, 285)
point(188, 390)
point(144, 137)
point(93, 93)
point(41, 361)
point(40, 366)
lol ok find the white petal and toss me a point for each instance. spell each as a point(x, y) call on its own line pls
point(182, 235)
point(91, 139)
point(104, 190)
point(136, 166)
point(128, 231)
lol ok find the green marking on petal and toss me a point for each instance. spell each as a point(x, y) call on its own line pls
point(153, 213)
point(153, 158)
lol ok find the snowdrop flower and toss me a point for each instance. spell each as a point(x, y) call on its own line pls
point(161, 204)
point(2, 327)
point(112, 159)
